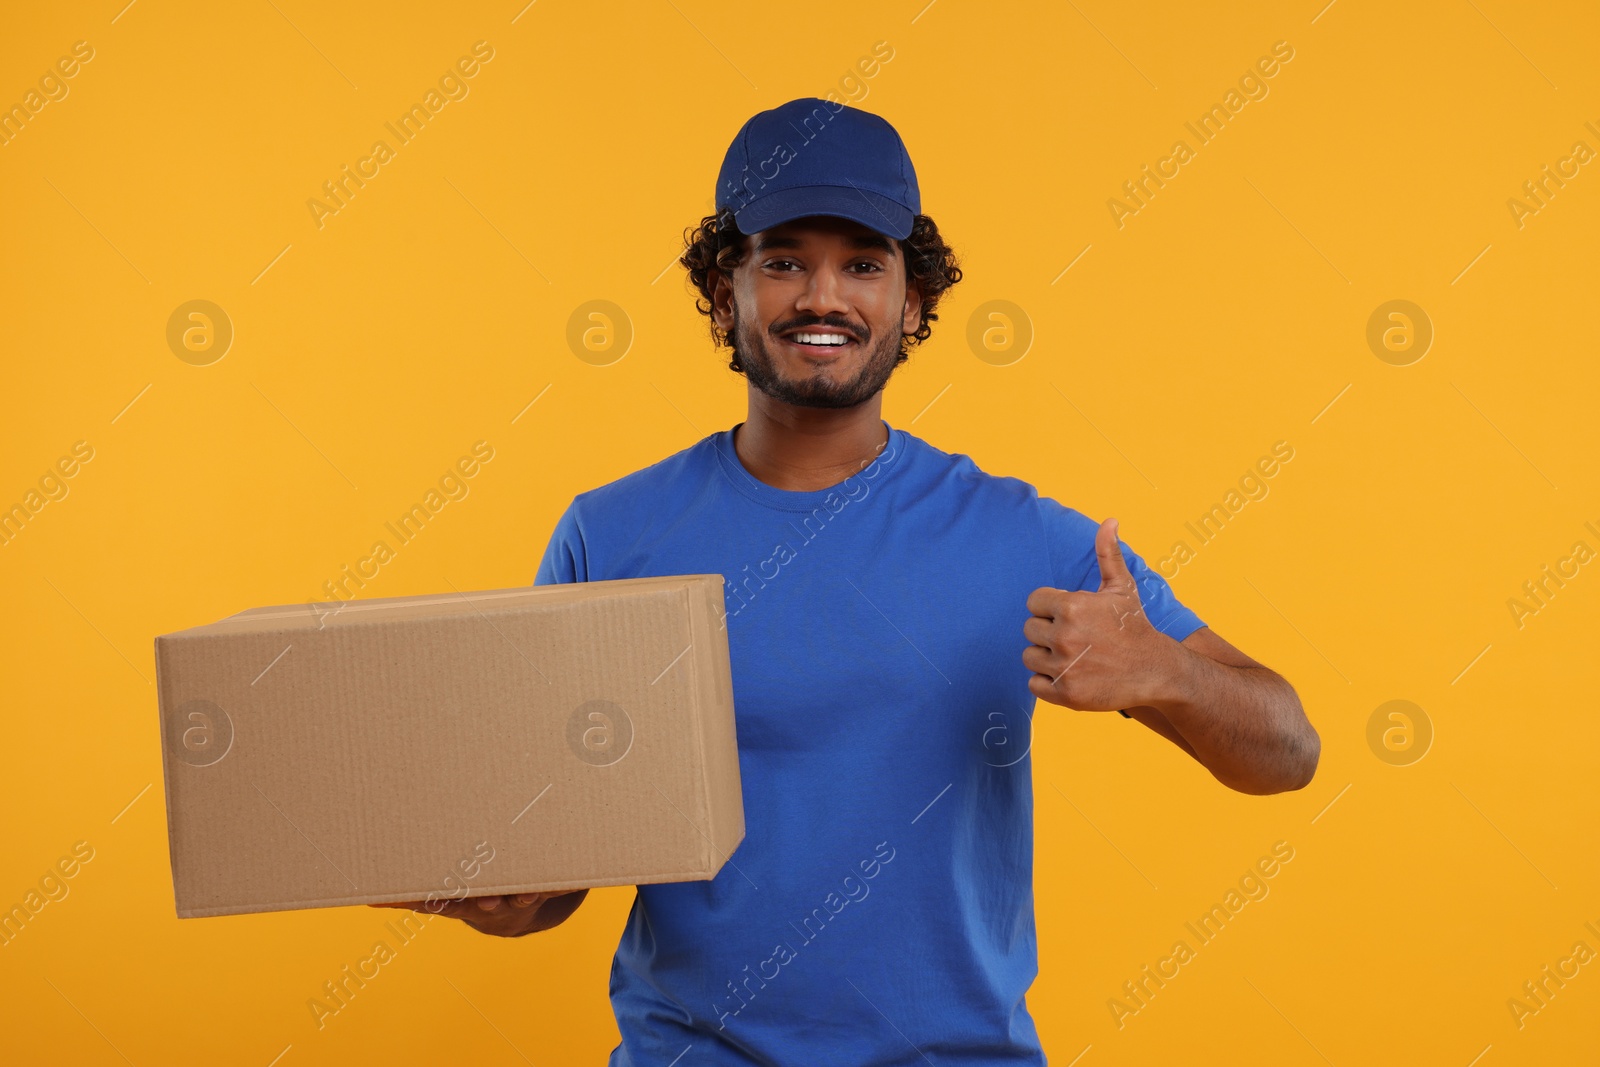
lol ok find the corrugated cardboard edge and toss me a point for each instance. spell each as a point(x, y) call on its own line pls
point(719, 749)
point(477, 891)
point(303, 616)
point(555, 591)
point(163, 700)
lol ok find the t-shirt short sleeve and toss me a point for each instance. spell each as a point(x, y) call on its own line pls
point(1074, 565)
point(565, 559)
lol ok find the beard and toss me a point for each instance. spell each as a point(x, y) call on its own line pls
point(820, 390)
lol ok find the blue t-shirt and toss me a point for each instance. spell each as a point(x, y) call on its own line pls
point(880, 906)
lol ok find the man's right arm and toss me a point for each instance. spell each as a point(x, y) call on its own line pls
point(503, 916)
point(555, 910)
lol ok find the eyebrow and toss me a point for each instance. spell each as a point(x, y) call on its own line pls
point(770, 241)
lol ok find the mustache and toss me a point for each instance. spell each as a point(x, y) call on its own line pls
point(840, 325)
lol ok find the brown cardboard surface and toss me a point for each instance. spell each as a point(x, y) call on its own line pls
point(509, 740)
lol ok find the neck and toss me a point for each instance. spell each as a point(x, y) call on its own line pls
point(803, 449)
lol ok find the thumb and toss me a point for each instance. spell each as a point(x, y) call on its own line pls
point(1114, 573)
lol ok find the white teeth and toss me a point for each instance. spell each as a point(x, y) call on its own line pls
point(819, 338)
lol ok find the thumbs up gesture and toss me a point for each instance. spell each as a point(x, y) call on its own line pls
point(1095, 651)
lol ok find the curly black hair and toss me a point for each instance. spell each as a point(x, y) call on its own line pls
point(717, 246)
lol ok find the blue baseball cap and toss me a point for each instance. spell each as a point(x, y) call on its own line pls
point(816, 157)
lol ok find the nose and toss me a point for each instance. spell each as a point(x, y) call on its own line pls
point(823, 294)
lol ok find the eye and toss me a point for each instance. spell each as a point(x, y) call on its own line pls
point(872, 266)
point(781, 264)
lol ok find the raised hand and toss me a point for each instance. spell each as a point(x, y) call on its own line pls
point(1096, 651)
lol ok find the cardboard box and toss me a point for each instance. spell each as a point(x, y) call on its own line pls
point(456, 744)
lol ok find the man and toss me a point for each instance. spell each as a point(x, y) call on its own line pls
point(893, 615)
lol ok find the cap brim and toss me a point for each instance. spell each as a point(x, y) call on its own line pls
point(871, 210)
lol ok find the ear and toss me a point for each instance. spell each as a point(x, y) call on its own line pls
point(721, 300)
point(911, 319)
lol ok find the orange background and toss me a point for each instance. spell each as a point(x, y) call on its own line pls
point(1229, 313)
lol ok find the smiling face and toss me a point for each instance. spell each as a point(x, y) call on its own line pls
point(817, 309)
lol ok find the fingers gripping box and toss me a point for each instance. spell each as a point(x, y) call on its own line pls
point(457, 744)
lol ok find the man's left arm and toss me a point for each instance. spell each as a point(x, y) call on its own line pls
point(1239, 719)
point(1097, 651)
